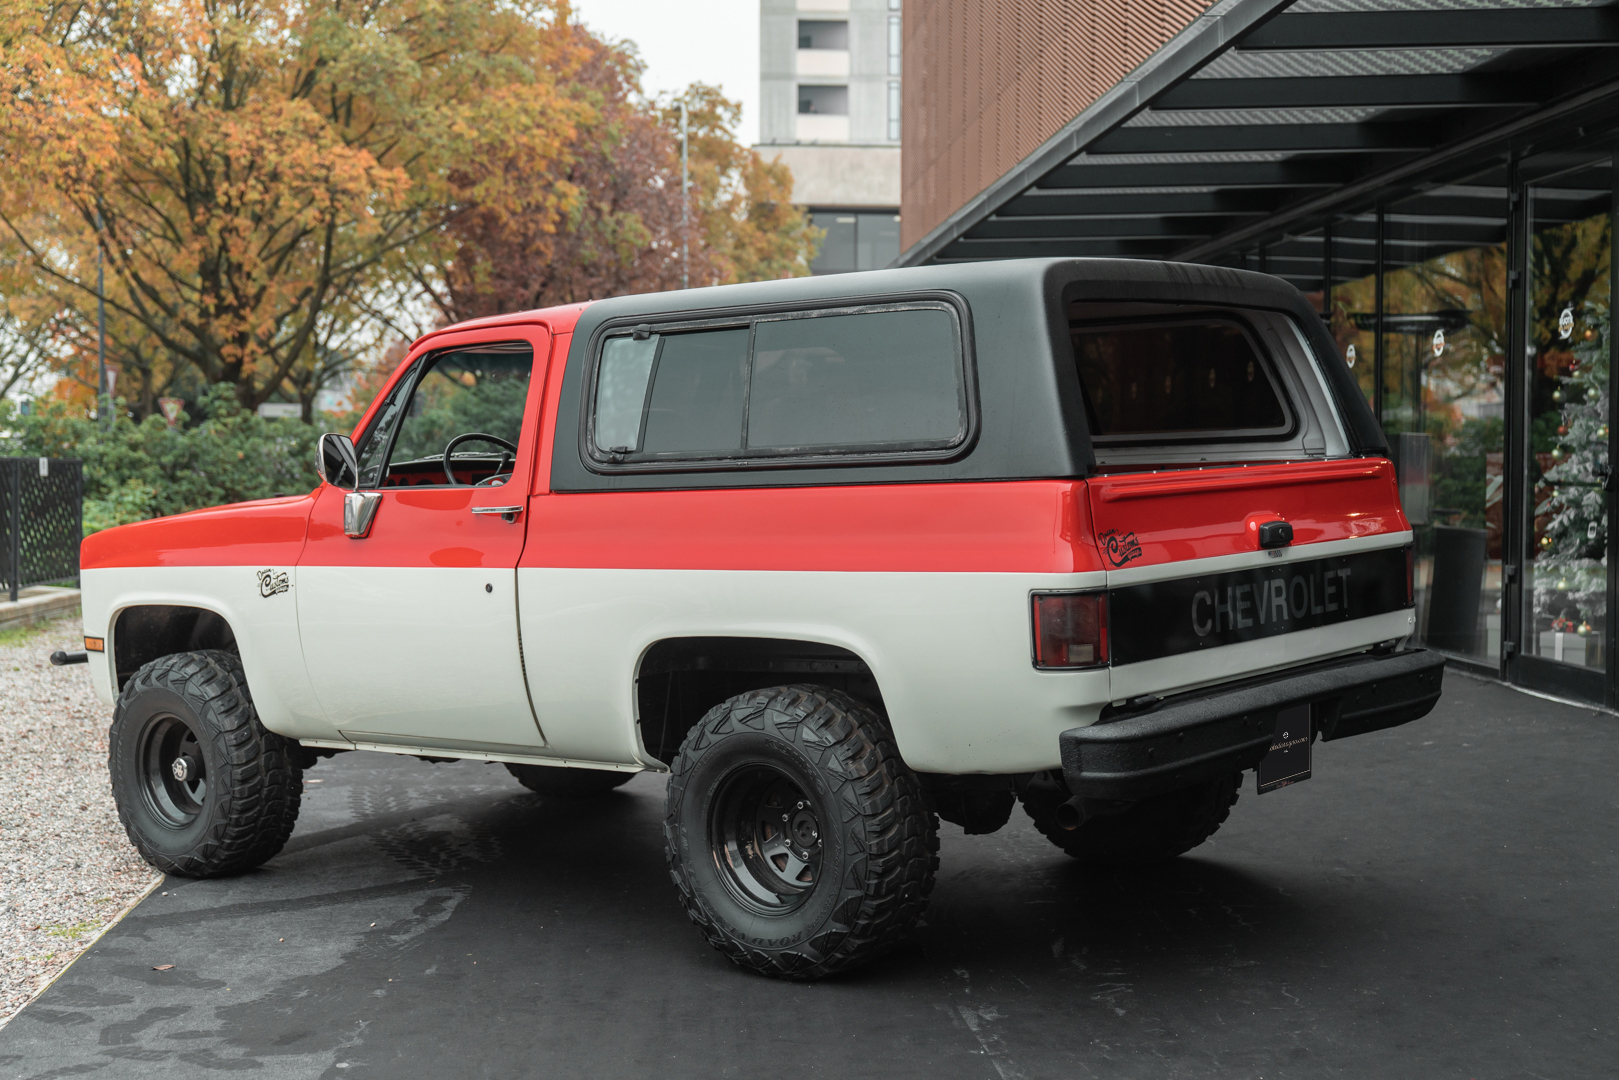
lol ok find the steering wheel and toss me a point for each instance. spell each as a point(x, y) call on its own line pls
point(449, 473)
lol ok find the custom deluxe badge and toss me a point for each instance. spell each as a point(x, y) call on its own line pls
point(1120, 547)
point(272, 583)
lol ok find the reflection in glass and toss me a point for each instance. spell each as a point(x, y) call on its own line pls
point(1570, 253)
point(626, 365)
point(1352, 314)
point(1443, 389)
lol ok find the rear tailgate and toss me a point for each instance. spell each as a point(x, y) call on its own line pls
point(1195, 600)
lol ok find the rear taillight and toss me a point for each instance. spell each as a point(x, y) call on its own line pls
point(1070, 630)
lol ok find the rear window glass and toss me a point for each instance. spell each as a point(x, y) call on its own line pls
point(1169, 380)
point(847, 382)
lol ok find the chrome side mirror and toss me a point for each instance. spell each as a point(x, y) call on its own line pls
point(337, 462)
point(339, 466)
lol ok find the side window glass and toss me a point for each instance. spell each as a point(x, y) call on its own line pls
point(697, 393)
point(373, 449)
point(846, 382)
point(621, 392)
point(469, 402)
point(862, 380)
point(672, 393)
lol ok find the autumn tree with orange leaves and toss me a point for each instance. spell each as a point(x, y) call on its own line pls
point(273, 184)
point(626, 233)
point(254, 170)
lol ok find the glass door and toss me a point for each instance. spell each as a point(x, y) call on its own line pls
point(1566, 625)
point(1443, 394)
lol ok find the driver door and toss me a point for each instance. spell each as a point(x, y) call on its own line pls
point(410, 632)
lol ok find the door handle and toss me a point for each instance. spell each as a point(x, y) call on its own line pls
point(507, 513)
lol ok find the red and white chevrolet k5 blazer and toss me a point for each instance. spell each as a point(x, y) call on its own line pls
point(840, 555)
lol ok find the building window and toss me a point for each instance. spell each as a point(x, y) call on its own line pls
point(823, 34)
point(893, 110)
point(823, 100)
point(893, 44)
point(893, 5)
point(855, 241)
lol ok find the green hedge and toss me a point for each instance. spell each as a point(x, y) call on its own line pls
point(138, 471)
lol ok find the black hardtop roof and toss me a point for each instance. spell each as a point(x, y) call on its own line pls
point(1099, 279)
point(1026, 388)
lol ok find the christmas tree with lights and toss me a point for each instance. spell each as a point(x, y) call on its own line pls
point(1571, 567)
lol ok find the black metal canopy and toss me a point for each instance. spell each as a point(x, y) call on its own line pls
point(1268, 125)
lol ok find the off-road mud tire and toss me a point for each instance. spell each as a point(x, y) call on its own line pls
point(565, 783)
point(1153, 830)
point(254, 777)
point(879, 841)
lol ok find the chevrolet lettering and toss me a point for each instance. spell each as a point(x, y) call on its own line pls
point(833, 558)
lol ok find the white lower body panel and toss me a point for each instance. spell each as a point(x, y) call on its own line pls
point(266, 630)
point(950, 652)
point(418, 656)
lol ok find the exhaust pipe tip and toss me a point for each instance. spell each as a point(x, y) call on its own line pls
point(1071, 814)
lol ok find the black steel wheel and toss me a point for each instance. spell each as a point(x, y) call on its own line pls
point(173, 770)
point(202, 788)
point(766, 835)
point(800, 842)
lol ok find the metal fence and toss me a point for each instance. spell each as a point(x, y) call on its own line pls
point(42, 520)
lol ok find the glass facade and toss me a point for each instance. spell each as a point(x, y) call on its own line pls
point(1566, 317)
point(1474, 313)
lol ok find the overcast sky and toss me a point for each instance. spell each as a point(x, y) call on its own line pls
point(687, 41)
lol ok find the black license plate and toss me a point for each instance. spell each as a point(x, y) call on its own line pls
point(1288, 759)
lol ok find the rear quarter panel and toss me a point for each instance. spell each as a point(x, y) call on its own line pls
point(928, 583)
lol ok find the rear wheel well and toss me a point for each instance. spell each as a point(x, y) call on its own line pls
point(682, 678)
point(146, 632)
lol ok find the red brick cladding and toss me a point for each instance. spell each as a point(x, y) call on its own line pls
point(987, 81)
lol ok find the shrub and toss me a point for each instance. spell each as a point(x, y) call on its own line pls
point(137, 471)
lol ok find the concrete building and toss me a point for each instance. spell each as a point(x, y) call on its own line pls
point(829, 76)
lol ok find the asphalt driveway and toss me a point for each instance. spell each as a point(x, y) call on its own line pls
point(1439, 901)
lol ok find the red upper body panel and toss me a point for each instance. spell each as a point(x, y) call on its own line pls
point(268, 532)
point(1026, 526)
point(272, 532)
point(1200, 513)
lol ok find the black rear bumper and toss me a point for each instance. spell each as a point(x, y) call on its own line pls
point(1182, 740)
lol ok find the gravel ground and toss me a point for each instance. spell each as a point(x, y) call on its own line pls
point(66, 866)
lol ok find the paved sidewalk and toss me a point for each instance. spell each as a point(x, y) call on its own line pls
point(1439, 901)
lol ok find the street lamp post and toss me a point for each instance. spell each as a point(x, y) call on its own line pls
point(685, 203)
point(103, 398)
